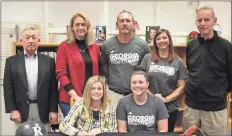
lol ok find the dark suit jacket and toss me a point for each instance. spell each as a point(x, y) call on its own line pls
point(16, 86)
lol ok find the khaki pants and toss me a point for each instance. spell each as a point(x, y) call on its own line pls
point(34, 116)
point(211, 122)
point(114, 97)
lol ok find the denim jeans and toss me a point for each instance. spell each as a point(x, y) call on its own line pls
point(65, 107)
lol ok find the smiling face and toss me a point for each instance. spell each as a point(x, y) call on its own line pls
point(139, 84)
point(97, 91)
point(30, 41)
point(79, 28)
point(162, 41)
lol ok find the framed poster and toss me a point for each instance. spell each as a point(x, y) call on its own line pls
point(150, 33)
point(100, 34)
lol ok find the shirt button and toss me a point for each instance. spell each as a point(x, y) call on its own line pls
point(27, 93)
point(28, 102)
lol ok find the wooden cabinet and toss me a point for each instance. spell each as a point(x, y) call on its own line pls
point(229, 105)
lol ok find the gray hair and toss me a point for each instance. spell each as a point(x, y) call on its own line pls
point(206, 7)
point(29, 28)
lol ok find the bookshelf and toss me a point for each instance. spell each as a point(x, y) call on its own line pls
point(180, 50)
point(44, 48)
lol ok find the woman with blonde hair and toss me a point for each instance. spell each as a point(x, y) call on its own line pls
point(77, 60)
point(93, 114)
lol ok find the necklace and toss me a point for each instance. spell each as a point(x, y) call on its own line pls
point(82, 50)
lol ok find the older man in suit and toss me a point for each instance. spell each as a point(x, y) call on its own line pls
point(30, 85)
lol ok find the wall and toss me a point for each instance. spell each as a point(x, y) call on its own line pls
point(16, 13)
point(59, 14)
point(223, 14)
point(180, 14)
point(177, 16)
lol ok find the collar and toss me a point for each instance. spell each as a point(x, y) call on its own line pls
point(26, 54)
point(202, 40)
point(80, 41)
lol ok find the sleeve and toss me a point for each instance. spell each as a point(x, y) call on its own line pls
point(53, 89)
point(67, 125)
point(229, 63)
point(104, 61)
point(161, 111)
point(100, 62)
point(146, 49)
point(144, 62)
point(186, 54)
point(182, 73)
point(121, 112)
point(111, 121)
point(9, 93)
point(62, 68)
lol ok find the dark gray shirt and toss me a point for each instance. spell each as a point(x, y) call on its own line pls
point(141, 117)
point(121, 58)
point(163, 76)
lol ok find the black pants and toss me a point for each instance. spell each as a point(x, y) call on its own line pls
point(172, 120)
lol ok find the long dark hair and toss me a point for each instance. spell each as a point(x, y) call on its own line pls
point(155, 51)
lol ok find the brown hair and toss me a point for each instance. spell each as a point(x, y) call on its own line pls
point(139, 70)
point(89, 39)
point(155, 51)
point(125, 11)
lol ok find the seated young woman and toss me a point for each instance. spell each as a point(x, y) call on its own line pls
point(141, 111)
point(93, 114)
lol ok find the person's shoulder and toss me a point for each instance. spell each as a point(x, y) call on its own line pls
point(95, 46)
point(46, 57)
point(126, 99)
point(192, 42)
point(178, 59)
point(14, 58)
point(224, 42)
point(109, 41)
point(65, 44)
point(78, 104)
point(154, 98)
point(140, 41)
point(11, 58)
point(110, 109)
point(148, 55)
